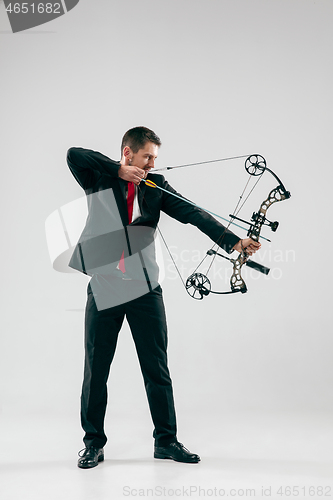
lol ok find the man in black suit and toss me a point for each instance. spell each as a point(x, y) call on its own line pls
point(116, 249)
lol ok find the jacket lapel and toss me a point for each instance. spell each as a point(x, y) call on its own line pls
point(122, 205)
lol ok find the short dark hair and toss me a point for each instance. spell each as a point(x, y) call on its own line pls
point(137, 137)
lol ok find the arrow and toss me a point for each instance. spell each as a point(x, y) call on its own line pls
point(152, 184)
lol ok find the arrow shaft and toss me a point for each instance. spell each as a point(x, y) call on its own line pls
point(150, 183)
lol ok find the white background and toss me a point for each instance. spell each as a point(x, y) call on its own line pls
point(213, 79)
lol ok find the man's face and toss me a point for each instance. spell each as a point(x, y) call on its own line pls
point(145, 157)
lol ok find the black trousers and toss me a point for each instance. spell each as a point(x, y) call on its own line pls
point(147, 321)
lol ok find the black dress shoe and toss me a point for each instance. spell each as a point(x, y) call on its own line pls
point(90, 457)
point(176, 451)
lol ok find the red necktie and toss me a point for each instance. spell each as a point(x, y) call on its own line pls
point(130, 200)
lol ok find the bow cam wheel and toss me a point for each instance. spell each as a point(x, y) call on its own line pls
point(255, 165)
point(198, 285)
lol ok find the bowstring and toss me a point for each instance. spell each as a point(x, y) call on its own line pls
point(169, 252)
point(201, 163)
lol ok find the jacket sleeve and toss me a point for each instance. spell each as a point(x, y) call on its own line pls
point(189, 214)
point(88, 166)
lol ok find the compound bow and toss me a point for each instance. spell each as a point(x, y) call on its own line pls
point(198, 285)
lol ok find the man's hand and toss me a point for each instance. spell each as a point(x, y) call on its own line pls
point(130, 173)
point(247, 244)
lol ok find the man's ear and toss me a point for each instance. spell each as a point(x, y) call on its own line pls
point(127, 152)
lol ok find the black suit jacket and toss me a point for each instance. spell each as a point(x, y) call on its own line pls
point(107, 232)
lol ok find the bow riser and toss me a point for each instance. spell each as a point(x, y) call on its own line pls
point(277, 194)
point(237, 284)
point(236, 281)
